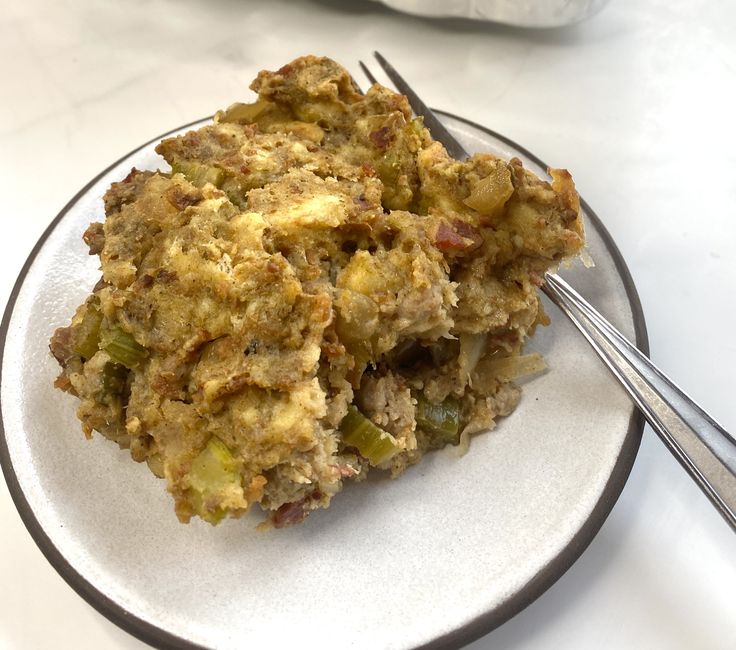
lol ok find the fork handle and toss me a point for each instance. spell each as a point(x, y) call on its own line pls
point(702, 446)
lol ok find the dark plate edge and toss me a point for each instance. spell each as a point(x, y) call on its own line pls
point(556, 568)
point(477, 628)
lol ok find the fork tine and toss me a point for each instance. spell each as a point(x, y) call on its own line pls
point(367, 72)
point(431, 121)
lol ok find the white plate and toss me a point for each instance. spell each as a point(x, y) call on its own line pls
point(439, 557)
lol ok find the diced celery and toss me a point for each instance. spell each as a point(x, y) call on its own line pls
point(213, 468)
point(197, 173)
point(441, 421)
point(389, 168)
point(212, 472)
point(88, 331)
point(123, 348)
point(212, 515)
point(371, 441)
point(417, 125)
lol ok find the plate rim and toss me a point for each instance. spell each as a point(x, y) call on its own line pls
point(472, 630)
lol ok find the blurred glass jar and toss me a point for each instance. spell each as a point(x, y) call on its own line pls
point(522, 13)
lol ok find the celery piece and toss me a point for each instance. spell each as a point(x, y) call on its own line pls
point(441, 421)
point(389, 168)
point(212, 474)
point(87, 333)
point(197, 173)
point(213, 468)
point(371, 441)
point(123, 348)
point(212, 515)
point(417, 125)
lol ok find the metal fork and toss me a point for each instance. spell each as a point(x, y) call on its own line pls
point(703, 447)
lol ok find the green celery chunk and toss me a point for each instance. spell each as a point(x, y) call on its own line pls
point(371, 441)
point(212, 474)
point(197, 173)
point(123, 348)
point(213, 468)
point(441, 421)
point(417, 125)
point(389, 168)
point(88, 331)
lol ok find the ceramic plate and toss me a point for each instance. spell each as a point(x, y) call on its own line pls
point(437, 558)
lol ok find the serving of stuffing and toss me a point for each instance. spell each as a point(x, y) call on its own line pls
point(315, 290)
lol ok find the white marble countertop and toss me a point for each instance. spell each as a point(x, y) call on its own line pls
point(638, 102)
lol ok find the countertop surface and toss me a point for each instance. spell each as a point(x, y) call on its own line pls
point(637, 102)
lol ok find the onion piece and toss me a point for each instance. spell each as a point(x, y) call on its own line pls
point(472, 347)
point(514, 367)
